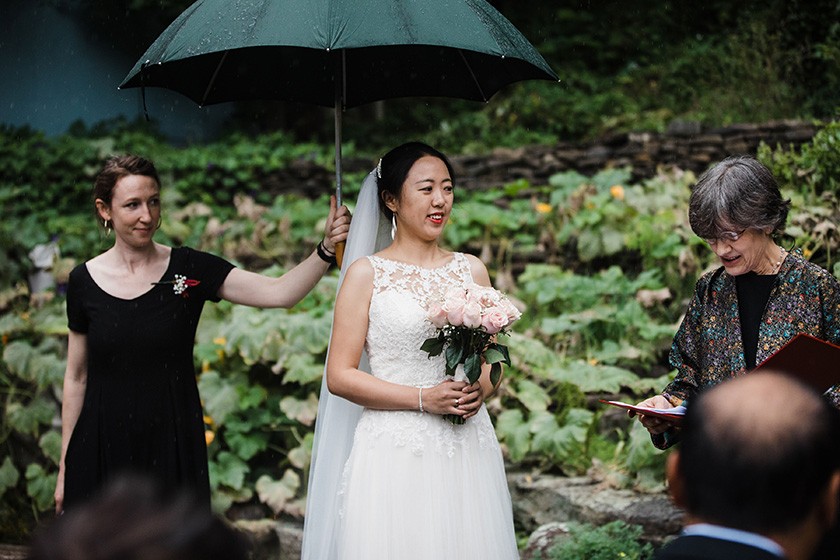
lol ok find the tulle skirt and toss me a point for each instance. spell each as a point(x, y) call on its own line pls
point(417, 487)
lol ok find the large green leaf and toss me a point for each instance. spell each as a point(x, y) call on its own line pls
point(219, 396)
point(531, 395)
point(28, 418)
point(40, 486)
point(277, 493)
point(50, 444)
point(514, 432)
point(594, 378)
point(229, 470)
point(9, 475)
point(303, 411)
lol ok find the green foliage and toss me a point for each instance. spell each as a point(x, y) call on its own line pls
point(618, 263)
point(622, 66)
point(607, 542)
point(810, 176)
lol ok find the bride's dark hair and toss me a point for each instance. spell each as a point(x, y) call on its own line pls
point(395, 165)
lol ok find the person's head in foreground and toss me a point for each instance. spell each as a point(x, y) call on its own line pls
point(760, 453)
point(131, 519)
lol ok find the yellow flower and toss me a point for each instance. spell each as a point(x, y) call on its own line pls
point(220, 340)
point(205, 366)
point(543, 208)
point(593, 361)
point(209, 436)
point(617, 192)
point(807, 253)
point(208, 420)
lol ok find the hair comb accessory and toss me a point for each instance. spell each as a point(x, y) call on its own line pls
point(379, 169)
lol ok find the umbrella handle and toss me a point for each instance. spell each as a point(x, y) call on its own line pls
point(339, 252)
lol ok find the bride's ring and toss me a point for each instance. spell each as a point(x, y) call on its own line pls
point(457, 403)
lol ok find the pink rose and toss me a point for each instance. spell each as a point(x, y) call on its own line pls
point(453, 304)
point(437, 315)
point(488, 297)
point(510, 310)
point(472, 315)
point(494, 320)
point(454, 313)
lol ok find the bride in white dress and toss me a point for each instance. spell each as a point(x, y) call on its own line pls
point(414, 485)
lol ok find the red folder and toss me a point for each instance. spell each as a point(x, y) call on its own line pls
point(811, 360)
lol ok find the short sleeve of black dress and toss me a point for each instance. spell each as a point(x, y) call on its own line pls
point(141, 411)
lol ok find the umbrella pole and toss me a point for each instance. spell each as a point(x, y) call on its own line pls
point(339, 102)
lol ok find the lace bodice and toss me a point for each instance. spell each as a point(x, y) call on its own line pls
point(397, 327)
point(397, 318)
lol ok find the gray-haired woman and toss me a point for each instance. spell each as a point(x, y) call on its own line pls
point(760, 298)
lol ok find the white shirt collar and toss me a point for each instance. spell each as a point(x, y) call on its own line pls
point(734, 535)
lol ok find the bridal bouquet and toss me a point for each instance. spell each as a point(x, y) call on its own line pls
point(468, 319)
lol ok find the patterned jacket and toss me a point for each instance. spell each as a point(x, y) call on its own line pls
point(707, 348)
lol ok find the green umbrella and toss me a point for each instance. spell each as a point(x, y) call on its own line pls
point(337, 53)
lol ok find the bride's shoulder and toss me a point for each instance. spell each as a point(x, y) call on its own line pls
point(477, 269)
point(362, 267)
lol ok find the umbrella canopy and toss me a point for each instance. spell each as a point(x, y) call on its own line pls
point(338, 53)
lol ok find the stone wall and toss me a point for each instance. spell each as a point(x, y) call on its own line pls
point(685, 145)
point(688, 146)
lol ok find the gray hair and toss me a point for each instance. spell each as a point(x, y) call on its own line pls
point(740, 193)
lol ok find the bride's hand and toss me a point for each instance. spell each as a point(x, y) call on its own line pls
point(471, 400)
point(445, 398)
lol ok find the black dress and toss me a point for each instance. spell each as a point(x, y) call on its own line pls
point(141, 411)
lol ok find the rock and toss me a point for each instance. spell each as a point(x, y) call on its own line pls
point(272, 540)
point(542, 499)
point(544, 539)
point(13, 552)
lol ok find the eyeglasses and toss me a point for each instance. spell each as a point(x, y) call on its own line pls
point(725, 236)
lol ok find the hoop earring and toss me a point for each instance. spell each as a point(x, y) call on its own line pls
point(160, 221)
point(393, 224)
point(107, 228)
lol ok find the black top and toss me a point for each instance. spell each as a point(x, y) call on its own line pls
point(753, 295)
point(141, 410)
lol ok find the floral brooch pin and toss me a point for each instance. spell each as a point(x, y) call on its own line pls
point(180, 284)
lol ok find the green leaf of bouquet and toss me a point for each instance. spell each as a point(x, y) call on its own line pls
point(472, 367)
point(454, 352)
point(492, 355)
point(434, 346)
point(495, 373)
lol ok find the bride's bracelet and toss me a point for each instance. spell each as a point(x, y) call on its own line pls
point(420, 399)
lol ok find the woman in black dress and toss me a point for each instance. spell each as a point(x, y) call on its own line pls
point(130, 397)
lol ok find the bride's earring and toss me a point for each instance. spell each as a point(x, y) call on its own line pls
point(393, 224)
point(107, 225)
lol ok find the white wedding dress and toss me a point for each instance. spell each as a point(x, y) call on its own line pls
point(416, 486)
